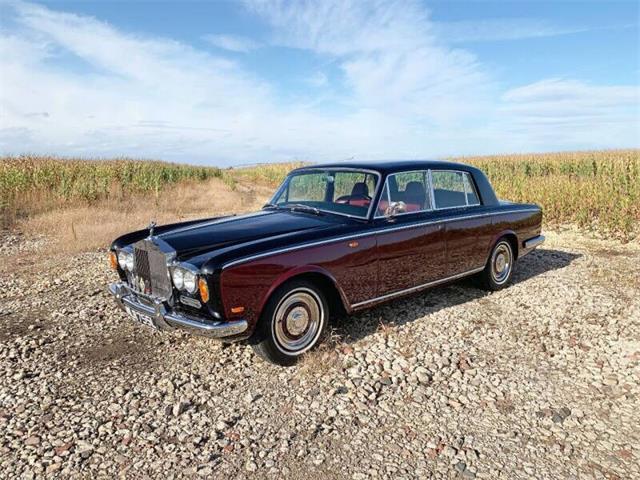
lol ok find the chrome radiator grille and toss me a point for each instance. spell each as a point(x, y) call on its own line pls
point(150, 269)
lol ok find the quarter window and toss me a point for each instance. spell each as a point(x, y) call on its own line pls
point(453, 189)
point(411, 188)
point(472, 196)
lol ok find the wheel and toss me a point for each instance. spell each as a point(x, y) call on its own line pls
point(292, 323)
point(499, 268)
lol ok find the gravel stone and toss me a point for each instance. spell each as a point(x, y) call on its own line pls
point(539, 380)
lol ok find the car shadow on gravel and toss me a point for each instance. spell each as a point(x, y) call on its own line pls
point(352, 328)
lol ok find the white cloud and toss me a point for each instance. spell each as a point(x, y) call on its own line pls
point(123, 83)
point(232, 43)
point(390, 59)
point(573, 112)
point(72, 84)
point(500, 29)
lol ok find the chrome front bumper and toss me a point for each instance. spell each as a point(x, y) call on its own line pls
point(166, 319)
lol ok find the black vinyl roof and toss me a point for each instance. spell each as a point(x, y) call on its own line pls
point(390, 166)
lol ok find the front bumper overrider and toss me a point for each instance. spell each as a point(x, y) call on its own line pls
point(165, 318)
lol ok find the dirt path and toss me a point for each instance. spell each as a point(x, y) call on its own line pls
point(540, 380)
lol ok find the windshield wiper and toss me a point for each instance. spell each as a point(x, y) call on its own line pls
point(270, 205)
point(303, 208)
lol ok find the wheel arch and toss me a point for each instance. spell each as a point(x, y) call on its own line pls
point(318, 276)
point(511, 237)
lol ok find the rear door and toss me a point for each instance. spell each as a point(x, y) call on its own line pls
point(467, 231)
point(410, 250)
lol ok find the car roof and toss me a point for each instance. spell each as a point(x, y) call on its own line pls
point(391, 166)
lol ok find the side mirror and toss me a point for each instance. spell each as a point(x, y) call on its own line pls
point(394, 209)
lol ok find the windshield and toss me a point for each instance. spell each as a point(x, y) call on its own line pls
point(345, 192)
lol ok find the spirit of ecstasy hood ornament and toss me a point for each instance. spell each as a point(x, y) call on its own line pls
point(151, 226)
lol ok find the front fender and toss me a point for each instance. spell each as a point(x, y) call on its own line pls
point(300, 271)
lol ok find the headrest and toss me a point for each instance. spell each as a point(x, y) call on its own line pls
point(414, 188)
point(360, 189)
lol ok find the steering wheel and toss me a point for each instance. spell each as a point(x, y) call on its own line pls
point(348, 198)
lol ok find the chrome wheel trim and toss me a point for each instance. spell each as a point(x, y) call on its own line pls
point(298, 321)
point(501, 262)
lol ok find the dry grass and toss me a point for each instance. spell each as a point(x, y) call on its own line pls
point(325, 357)
point(89, 226)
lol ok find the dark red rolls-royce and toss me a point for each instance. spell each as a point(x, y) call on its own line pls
point(335, 237)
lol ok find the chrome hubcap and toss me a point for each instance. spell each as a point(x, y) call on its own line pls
point(298, 321)
point(501, 263)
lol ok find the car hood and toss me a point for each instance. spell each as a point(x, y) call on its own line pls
point(202, 237)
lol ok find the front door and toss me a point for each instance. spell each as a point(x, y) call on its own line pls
point(411, 250)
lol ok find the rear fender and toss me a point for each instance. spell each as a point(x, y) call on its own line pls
point(498, 236)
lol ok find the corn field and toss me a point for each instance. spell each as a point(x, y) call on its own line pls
point(597, 191)
point(31, 183)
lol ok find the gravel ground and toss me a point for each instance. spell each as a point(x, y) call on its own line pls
point(540, 380)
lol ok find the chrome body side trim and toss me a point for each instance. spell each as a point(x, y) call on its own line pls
point(370, 232)
point(167, 319)
point(415, 289)
point(534, 242)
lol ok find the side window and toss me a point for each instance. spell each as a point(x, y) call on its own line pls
point(448, 189)
point(408, 187)
point(469, 188)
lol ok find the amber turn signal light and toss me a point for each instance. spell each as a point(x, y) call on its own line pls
point(204, 290)
point(237, 310)
point(113, 260)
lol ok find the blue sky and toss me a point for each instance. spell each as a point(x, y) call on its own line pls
point(266, 80)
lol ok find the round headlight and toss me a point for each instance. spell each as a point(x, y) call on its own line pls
point(129, 262)
point(190, 282)
point(125, 260)
point(178, 278)
point(122, 259)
